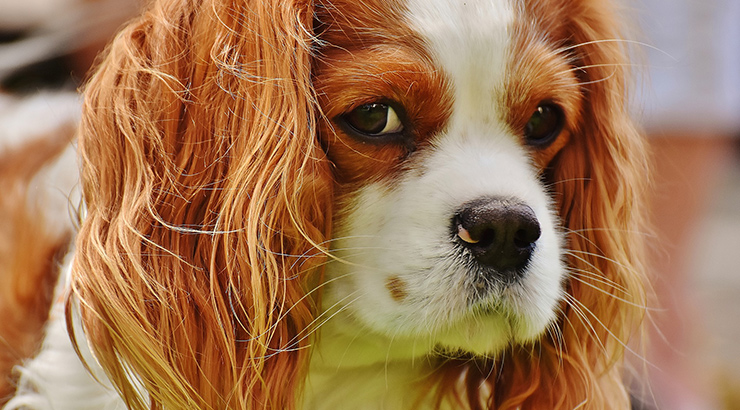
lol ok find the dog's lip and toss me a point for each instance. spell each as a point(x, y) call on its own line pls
point(488, 306)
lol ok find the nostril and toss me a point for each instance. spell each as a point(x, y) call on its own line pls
point(528, 234)
point(487, 237)
point(520, 240)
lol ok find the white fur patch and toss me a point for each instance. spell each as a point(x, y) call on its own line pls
point(56, 378)
point(470, 41)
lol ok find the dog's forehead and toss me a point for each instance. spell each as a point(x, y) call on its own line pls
point(462, 30)
point(470, 41)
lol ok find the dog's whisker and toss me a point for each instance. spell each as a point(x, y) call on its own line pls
point(287, 312)
point(582, 231)
point(586, 67)
point(583, 309)
point(325, 316)
point(599, 80)
point(598, 277)
point(611, 295)
point(565, 50)
point(576, 254)
point(581, 313)
point(558, 339)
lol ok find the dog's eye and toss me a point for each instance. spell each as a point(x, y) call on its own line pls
point(544, 125)
point(374, 120)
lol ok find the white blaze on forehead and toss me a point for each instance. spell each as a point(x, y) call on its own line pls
point(469, 39)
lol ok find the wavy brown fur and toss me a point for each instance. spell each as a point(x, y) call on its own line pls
point(206, 195)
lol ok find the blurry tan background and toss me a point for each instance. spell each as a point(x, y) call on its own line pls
point(717, 259)
point(689, 105)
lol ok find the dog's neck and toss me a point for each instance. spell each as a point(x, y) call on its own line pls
point(352, 367)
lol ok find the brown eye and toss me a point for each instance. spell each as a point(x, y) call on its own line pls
point(374, 120)
point(544, 125)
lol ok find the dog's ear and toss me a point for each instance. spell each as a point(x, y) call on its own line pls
point(600, 180)
point(208, 204)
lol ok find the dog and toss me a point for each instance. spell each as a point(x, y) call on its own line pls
point(335, 204)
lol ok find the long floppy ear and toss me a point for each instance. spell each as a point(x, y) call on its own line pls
point(207, 200)
point(600, 181)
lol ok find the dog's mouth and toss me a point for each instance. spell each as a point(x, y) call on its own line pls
point(487, 309)
point(495, 320)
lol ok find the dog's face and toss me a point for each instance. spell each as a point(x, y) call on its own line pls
point(445, 229)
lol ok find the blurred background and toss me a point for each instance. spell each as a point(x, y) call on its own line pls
point(688, 100)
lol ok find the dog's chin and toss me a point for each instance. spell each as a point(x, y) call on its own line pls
point(483, 336)
point(488, 333)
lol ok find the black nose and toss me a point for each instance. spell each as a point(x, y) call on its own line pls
point(499, 233)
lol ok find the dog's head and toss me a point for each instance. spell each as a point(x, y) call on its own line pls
point(462, 176)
